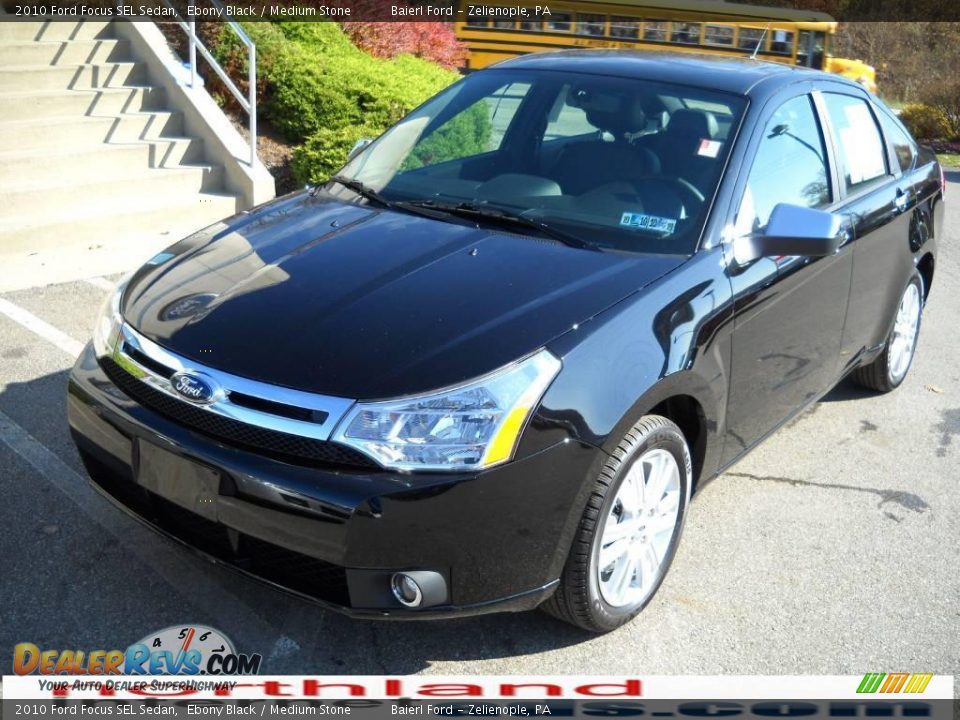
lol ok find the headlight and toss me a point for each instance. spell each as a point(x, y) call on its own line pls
point(475, 425)
point(107, 329)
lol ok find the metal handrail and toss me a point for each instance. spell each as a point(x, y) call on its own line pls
point(249, 103)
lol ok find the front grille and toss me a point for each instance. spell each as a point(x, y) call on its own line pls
point(233, 432)
point(286, 568)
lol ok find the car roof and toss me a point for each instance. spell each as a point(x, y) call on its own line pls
point(739, 75)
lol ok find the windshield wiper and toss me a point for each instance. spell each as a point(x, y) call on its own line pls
point(474, 211)
point(364, 191)
point(368, 193)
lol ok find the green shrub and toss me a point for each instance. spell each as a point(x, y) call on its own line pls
point(326, 151)
point(323, 36)
point(466, 134)
point(316, 88)
point(313, 78)
point(925, 122)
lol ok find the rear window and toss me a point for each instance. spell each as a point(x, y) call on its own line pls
point(862, 154)
point(904, 147)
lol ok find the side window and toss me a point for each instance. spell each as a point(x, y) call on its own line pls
point(858, 139)
point(790, 166)
point(476, 130)
point(591, 24)
point(782, 42)
point(567, 120)
point(686, 33)
point(750, 38)
point(903, 145)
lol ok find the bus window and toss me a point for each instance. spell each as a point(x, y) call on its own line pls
point(782, 42)
point(810, 49)
point(750, 38)
point(476, 21)
point(718, 35)
point(531, 25)
point(686, 33)
point(655, 30)
point(558, 22)
point(595, 25)
point(505, 24)
point(624, 28)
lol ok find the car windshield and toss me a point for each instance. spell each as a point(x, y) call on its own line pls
point(616, 163)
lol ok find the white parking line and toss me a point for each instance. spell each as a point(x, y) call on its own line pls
point(175, 568)
point(42, 328)
point(101, 282)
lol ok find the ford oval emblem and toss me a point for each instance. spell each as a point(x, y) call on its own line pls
point(187, 306)
point(195, 387)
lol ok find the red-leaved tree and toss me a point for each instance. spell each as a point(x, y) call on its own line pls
point(432, 41)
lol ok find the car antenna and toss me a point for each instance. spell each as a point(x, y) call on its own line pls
point(763, 36)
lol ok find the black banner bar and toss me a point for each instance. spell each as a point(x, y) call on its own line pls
point(370, 709)
point(434, 10)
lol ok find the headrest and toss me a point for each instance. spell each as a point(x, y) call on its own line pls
point(693, 124)
point(626, 117)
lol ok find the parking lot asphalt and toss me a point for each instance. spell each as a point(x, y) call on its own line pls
point(832, 548)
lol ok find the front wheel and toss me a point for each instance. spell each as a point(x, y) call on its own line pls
point(629, 530)
point(890, 369)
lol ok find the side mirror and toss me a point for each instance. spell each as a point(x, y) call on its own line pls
point(358, 146)
point(792, 230)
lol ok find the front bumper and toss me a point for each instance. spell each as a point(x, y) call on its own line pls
point(336, 535)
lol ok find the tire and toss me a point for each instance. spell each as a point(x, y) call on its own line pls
point(888, 371)
point(587, 595)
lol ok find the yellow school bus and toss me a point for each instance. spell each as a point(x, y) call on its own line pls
point(494, 32)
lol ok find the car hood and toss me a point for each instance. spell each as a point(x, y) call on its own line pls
point(352, 301)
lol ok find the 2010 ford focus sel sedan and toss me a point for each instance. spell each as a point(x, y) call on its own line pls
point(485, 366)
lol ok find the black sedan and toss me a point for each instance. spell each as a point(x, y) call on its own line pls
point(486, 365)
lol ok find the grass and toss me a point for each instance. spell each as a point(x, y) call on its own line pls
point(951, 160)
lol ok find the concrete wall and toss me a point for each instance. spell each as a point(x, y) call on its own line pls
point(203, 118)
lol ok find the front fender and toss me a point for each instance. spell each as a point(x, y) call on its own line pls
point(669, 340)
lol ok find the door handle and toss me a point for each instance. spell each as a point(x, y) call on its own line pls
point(903, 196)
point(846, 235)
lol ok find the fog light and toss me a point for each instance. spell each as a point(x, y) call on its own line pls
point(406, 590)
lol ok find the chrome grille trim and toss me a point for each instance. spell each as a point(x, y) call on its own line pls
point(335, 408)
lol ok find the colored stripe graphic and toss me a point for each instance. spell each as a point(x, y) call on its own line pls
point(894, 682)
point(870, 682)
point(919, 682)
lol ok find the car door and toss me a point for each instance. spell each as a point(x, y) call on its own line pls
point(789, 311)
point(878, 197)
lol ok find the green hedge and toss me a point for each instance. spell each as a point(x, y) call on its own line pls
point(318, 89)
point(925, 122)
point(464, 135)
point(325, 151)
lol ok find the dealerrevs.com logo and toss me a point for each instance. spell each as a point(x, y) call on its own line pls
point(176, 650)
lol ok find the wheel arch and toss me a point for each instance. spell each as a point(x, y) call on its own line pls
point(925, 267)
point(688, 414)
point(691, 404)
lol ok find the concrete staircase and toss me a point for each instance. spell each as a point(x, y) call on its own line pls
point(89, 150)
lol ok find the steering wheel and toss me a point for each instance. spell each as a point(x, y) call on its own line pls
point(690, 195)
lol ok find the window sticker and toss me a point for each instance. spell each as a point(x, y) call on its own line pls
point(709, 148)
point(862, 146)
point(648, 222)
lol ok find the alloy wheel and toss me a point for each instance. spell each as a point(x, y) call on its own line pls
point(904, 338)
point(638, 529)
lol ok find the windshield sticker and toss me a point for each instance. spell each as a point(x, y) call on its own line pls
point(648, 222)
point(709, 148)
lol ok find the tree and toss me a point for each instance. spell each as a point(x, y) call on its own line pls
point(432, 41)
